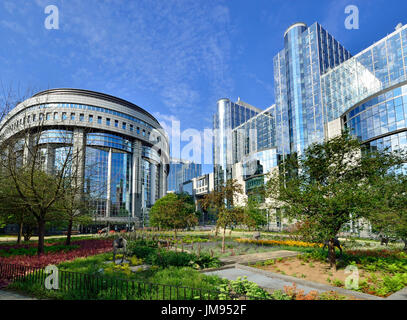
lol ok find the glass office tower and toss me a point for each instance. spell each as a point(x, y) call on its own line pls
point(318, 83)
point(182, 171)
point(369, 92)
point(229, 115)
point(254, 135)
point(308, 53)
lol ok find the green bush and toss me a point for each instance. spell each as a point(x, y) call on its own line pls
point(243, 287)
point(205, 260)
point(141, 251)
point(164, 258)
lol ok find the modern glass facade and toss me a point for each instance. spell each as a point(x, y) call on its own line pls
point(382, 115)
point(122, 158)
point(229, 115)
point(318, 82)
point(375, 69)
point(256, 134)
point(308, 53)
point(182, 171)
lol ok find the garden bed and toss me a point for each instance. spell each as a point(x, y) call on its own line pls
point(55, 252)
point(377, 276)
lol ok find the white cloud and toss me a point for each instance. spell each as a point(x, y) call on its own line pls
point(166, 48)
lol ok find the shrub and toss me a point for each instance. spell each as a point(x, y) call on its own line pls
point(140, 251)
point(164, 258)
point(243, 287)
point(205, 260)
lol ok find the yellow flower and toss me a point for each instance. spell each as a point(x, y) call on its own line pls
point(292, 243)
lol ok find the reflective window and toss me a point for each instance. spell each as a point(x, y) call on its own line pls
point(108, 140)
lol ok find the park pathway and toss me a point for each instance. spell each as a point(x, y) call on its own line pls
point(7, 295)
point(272, 282)
point(261, 256)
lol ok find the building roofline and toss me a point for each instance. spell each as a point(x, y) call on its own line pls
point(97, 95)
point(297, 24)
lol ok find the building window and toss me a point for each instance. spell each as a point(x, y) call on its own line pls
point(90, 118)
point(131, 128)
point(73, 116)
point(124, 126)
point(64, 116)
point(81, 117)
point(108, 121)
point(116, 123)
point(56, 116)
point(48, 116)
point(138, 130)
point(144, 133)
point(99, 120)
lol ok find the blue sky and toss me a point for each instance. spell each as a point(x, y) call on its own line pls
point(173, 58)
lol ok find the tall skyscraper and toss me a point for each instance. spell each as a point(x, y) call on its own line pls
point(229, 115)
point(308, 54)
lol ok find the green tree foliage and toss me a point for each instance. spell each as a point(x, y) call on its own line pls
point(255, 216)
point(173, 211)
point(73, 206)
point(223, 202)
point(389, 215)
point(32, 187)
point(332, 184)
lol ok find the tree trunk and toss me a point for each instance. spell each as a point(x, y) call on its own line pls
point(27, 233)
point(20, 233)
point(69, 233)
point(331, 254)
point(41, 236)
point(223, 240)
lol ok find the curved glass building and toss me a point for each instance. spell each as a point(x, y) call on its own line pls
point(320, 89)
point(124, 151)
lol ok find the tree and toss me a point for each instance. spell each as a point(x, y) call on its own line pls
point(11, 211)
point(223, 201)
point(174, 212)
point(74, 205)
point(389, 216)
point(37, 188)
point(330, 185)
point(255, 217)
